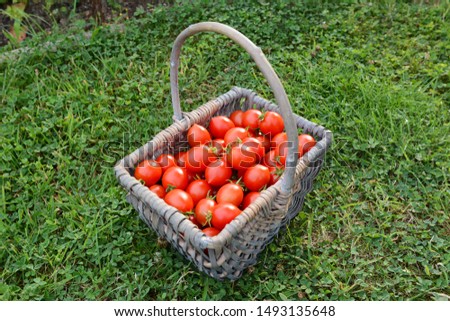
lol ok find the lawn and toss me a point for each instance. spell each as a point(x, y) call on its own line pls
point(375, 227)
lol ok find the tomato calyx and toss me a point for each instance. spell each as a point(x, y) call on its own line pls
point(170, 188)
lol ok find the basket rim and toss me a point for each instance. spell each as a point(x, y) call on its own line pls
point(138, 190)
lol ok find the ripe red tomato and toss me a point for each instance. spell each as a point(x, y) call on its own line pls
point(217, 146)
point(210, 231)
point(278, 139)
point(203, 211)
point(166, 161)
point(223, 214)
point(248, 199)
point(181, 159)
point(158, 190)
point(198, 158)
point(237, 118)
point(275, 174)
point(250, 119)
point(239, 158)
point(219, 125)
point(175, 177)
point(230, 193)
point(271, 159)
point(198, 135)
point(271, 124)
point(180, 200)
point(305, 143)
point(194, 220)
point(198, 190)
point(256, 177)
point(235, 134)
point(218, 173)
point(254, 147)
point(265, 142)
point(149, 171)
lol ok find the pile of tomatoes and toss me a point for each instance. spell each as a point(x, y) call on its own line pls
point(227, 166)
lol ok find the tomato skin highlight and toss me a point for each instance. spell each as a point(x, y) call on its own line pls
point(250, 119)
point(219, 125)
point(230, 193)
point(234, 135)
point(203, 211)
point(198, 189)
point(218, 173)
point(271, 123)
point(148, 171)
point(165, 161)
point(249, 198)
point(198, 135)
point(158, 190)
point(223, 214)
point(256, 177)
point(179, 199)
point(175, 177)
point(237, 118)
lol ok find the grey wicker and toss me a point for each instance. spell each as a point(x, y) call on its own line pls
point(228, 254)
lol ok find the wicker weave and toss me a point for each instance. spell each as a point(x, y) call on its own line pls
point(237, 246)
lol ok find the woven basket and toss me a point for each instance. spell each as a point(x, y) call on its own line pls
point(237, 246)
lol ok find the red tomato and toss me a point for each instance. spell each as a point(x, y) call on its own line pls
point(191, 176)
point(239, 158)
point(265, 142)
point(237, 118)
point(217, 146)
point(254, 147)
point(218, 126)
point(240, 173)
point(248, 199)
point(278, 139)
point(218, 173)
point(275, 174)
point(250, 119)
point(158, 190)
point(271, 124)
point(210, 231)
point(230, 193)
point(256, 177)
point(203, 211)
point(175, 177)
point(305, 143)
point(198, 158)
point(235, 134)
point(271, 159)
point(181, 159)
point(193, 220)
point(198, 135)
point(224, 214)
point(166, 161)
point(198, 190)
point(180, 200)
point(149, 171)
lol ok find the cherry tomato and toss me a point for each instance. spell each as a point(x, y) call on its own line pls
point(278, 139)
point(305, 143)
point(235, 134)
point(198, 158)
point(203, 211)
point(275, 174)
point(149, 171)
point(218, 173)
point(271, 159)
point(198, 190)
point(210, 231)
point(230, 193)
point(250, 119)
point(194, 220)
point(248, 199)
point(158, 190)
point(223, 214)
point(175, 177)
point(254, 147)
point(198, 135)
point(271, 123)
point(265, 142)
point(166, 161)
point(239, 158)
point(181, 159)
point(256, 177)
point(237, 118)
point(219, 125)
point(180, 200)
point(217, 146)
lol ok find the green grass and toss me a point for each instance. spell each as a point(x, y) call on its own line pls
point(376, 226)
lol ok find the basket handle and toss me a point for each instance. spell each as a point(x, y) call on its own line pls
point(263, 65)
